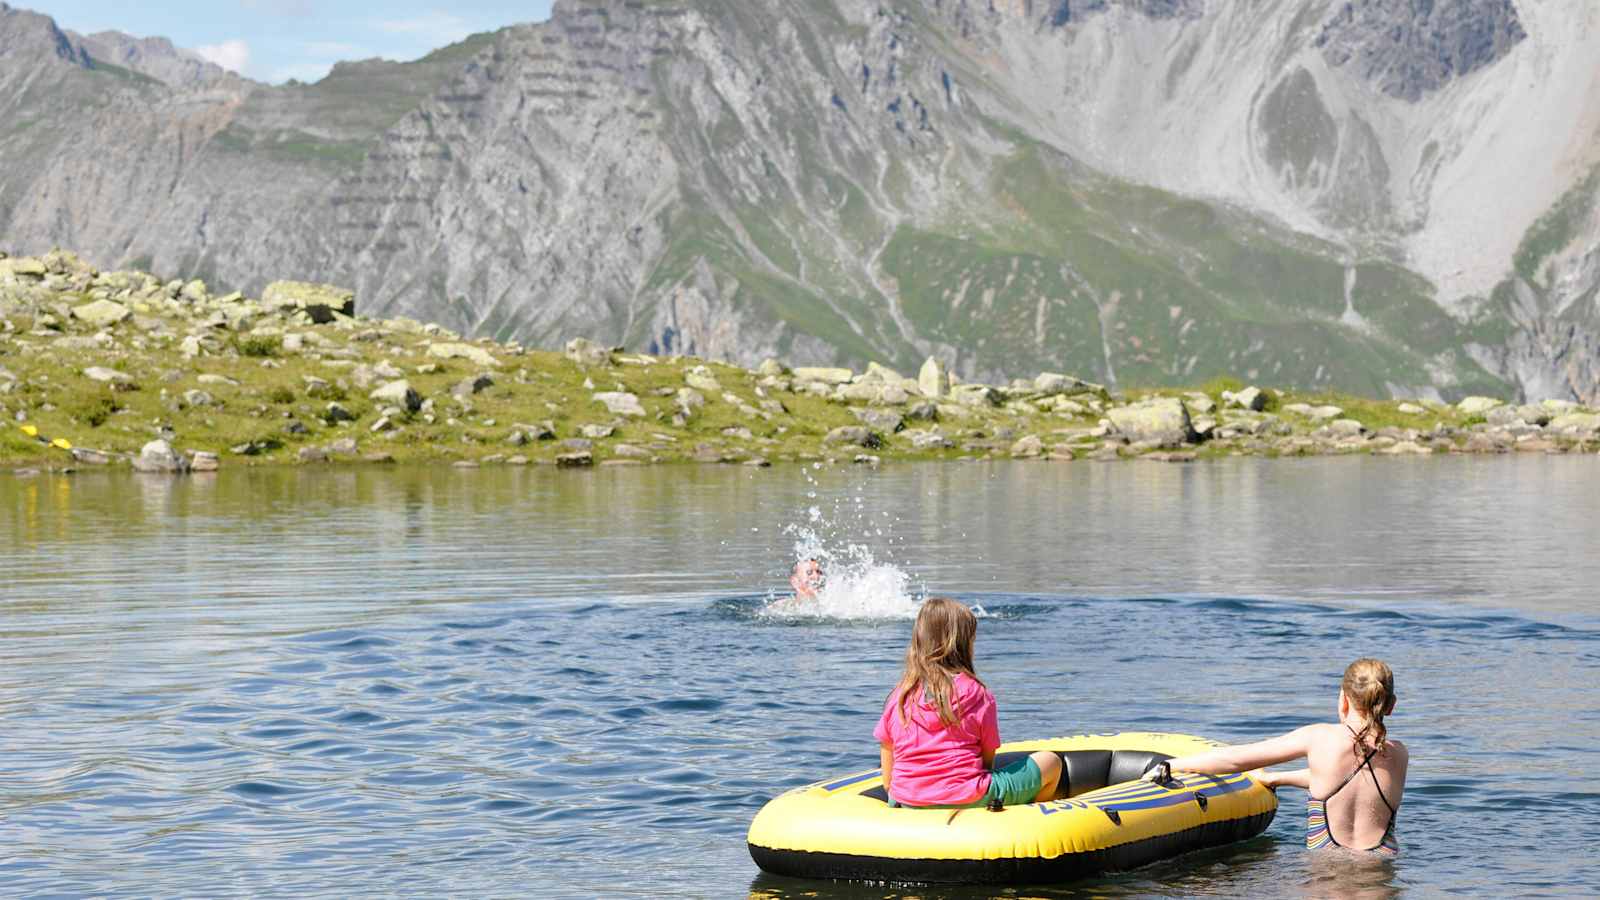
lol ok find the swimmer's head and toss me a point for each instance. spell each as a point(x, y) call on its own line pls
point(1368, 691)
point(806, 579)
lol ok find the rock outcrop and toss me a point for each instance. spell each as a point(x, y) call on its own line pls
point(183, 368)
point(1407, 50)
point(844, 181)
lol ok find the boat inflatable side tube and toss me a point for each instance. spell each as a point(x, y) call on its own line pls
point(1107, 820)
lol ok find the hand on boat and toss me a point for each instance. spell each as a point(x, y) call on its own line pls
point(1160, 773)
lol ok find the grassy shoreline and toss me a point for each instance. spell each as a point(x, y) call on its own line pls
point(109, 362)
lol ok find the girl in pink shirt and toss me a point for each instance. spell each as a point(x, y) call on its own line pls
point(939, 730)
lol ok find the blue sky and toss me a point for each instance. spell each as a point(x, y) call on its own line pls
point(275, 40)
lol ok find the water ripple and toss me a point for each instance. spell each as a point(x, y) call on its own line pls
point(422, 693)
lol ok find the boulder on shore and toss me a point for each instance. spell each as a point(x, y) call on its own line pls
point(621, 404)
point(1251, 399)
point(980, 395)
point(1577, 424)
point(884, 420)
point(1163, 421)
point(825, 375)
point(1477, 406)
point(1030, 447)
point(398, 393)
point(701, 378)
point(855, 435)
point(933, 380)
point(318, 301)
point(110, 376)
point(587, 353)
point(159, 457)
point(1053, 383)
point(464, 351)
point(101, 313)
point(880, 373)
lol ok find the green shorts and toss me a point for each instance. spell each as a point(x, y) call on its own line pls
point(1014, 785)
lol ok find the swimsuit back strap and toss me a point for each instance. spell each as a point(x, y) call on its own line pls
point(1382, 796)
point(1366, 763)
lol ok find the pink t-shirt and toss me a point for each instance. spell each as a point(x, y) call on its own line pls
point(937, 764)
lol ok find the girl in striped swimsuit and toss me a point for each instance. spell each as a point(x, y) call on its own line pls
point(1354, 812)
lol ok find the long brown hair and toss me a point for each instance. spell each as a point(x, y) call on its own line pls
point(1369, 685)
point(941, 648)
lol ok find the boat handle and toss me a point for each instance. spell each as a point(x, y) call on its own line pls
point(1113, 815)
point(1201, 799)
point(1160, 774)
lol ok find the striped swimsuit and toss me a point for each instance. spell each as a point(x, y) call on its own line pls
point(1319, 836)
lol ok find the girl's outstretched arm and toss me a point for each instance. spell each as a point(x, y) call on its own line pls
point(1300, 778)
point(886, 760)
point(1245, 757)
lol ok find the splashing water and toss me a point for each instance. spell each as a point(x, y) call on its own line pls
point(856, 584)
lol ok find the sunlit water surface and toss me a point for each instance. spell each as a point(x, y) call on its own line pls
point(497, 683)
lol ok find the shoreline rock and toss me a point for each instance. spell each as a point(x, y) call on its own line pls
point(126, 368)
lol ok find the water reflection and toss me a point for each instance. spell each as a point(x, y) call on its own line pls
point(1511, 533)
point(343, 682)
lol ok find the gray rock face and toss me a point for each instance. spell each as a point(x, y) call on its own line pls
point(690, 220)
point(155, 57)
point(1060, 13)
point(1408, 48)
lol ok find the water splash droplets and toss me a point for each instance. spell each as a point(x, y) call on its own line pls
point(857, 584)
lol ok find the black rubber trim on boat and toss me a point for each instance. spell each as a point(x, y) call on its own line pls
point(1023, 871)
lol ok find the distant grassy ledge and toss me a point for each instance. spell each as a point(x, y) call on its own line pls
point(127, 369)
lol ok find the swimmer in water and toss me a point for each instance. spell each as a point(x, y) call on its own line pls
point(806, 579)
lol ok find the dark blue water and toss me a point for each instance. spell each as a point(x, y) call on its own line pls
point(497, 684)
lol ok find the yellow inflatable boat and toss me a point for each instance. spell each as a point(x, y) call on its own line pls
point(1105, 820)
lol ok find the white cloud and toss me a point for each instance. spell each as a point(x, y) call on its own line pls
point(232, 55)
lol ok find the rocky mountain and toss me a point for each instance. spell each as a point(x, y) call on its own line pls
point(1384, 197)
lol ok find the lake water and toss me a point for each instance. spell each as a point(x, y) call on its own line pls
point(334, 683)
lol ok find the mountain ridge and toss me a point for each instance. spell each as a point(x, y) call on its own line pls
point(844, 182)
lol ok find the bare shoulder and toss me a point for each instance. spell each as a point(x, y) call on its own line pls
point(1400, 752)
point(1323, 733)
